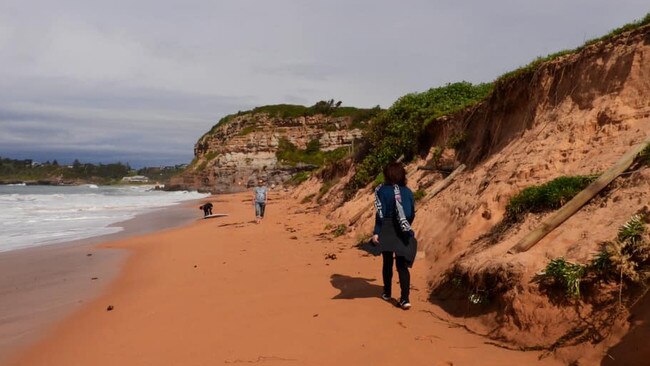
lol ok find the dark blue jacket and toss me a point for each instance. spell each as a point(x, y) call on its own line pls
point(387, 198)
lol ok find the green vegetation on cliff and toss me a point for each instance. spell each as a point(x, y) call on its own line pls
point(534, 65)
point(290, 154)
point(359, 116)
point(396, 131)
point(546, 197)
point(625, 259)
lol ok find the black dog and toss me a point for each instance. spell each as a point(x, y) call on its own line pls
point(207, 209)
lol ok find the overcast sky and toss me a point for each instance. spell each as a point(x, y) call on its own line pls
point(140, 81)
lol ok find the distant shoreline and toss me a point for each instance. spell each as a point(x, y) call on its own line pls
point(71, 183)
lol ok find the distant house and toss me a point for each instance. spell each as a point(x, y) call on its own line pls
point(136, 179)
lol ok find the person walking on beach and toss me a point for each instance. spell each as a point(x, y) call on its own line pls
point(259, 200)
point(395, 208)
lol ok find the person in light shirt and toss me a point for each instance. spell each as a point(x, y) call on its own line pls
point(260, 197)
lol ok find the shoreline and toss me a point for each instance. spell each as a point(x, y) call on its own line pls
point(42, 285)
point(228, 290)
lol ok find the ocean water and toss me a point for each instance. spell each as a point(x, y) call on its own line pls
point(42, 215)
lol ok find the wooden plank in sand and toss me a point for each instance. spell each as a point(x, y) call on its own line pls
point(578, 201)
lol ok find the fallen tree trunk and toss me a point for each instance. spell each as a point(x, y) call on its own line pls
point(578, 201)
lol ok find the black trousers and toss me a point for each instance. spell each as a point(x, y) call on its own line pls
point(402, 272)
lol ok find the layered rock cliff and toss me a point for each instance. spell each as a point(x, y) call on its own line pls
point(244, 147)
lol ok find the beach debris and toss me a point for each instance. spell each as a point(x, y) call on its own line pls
point(196, 266)
point(330, 256)
point(427, 338)
point(89, 255)
point(294, 238)
point(110, 308)
point(93, 278)
point(315, 316)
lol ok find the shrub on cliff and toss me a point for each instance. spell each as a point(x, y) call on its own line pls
point(290, 154)
point(625, 259)
point(395, 131)
point(545, 197)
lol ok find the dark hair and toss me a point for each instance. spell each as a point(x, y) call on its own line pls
point(394, 173)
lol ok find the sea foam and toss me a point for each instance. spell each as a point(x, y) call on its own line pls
point(43, 215)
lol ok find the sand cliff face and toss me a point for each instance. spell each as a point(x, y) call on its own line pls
point(236, 153)
point(576, 115)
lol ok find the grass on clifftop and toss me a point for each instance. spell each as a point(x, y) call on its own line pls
point(536, 63)
point(395, 131)
point(359, 116)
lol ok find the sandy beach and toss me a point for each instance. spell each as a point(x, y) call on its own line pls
point(39, 286)
point(228, 291)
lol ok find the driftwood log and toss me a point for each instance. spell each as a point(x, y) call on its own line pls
point(579, 200)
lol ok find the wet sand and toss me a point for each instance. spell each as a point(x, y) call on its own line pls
point(229, 291)
point(42, 285)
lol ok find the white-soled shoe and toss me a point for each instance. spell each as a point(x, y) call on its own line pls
point(404, 304)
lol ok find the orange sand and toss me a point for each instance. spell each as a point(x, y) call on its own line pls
point(226, 290)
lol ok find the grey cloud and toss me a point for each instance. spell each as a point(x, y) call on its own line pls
point(302, 70)
point(144, 79)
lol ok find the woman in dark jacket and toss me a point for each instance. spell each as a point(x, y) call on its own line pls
point(391, 237)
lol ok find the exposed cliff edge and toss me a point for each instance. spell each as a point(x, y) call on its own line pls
point(572, 115)
point(271, 142)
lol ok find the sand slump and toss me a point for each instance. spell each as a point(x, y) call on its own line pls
point(576, 115)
